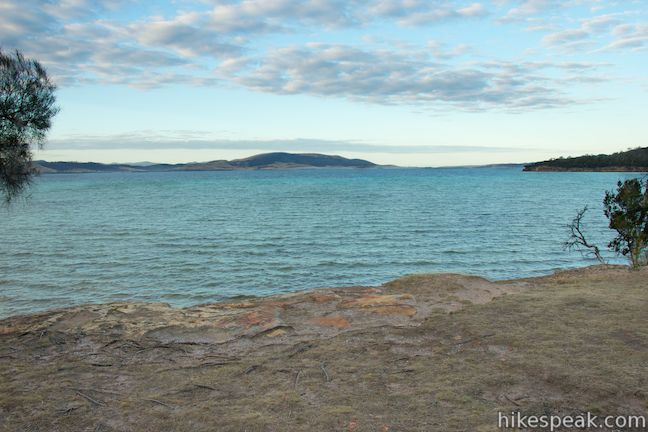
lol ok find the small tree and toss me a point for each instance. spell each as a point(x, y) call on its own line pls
point(26, 109)
point(627, 211)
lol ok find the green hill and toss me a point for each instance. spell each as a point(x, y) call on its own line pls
point(632, 160)
point(301, 159)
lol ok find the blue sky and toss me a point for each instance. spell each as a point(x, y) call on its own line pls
point(406, 82)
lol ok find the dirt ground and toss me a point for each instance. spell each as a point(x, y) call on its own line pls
point(435, 352)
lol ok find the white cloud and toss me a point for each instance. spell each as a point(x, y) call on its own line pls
point(629, 36)
point(224, 42)
point(566, 36)
point(389, 77)
point(527, 8)
point(607, 30)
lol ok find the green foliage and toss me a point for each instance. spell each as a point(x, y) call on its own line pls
point(26, 109)
point(627, 211)
point(634, 158)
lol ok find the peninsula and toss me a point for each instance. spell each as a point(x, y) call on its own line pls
point(634, 160)
point(265, 161)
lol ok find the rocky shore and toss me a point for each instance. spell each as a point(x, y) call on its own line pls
point(426, 352)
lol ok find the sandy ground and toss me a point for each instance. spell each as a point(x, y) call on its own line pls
point(431, 352)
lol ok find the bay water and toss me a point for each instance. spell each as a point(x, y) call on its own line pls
point(188, 238)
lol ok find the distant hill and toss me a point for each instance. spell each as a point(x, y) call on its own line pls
point(635, 160)
point(264, 161)
point(299, 160)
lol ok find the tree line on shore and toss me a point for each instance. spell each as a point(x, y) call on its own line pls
point(632, 159)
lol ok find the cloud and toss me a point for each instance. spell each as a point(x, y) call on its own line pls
point(184, 38)
point(599, 28)
point(195, 140)
point(78, 9)
point(527, 8)
point(602, 23)
point(566, 36)
point(261, 46)
point(19, 21)
point(90, 50)
point(628, 36)
point(439, 50)
point(77, 44)
point(416, 13)
point(273, 15)
point(389, 77)
point(475, 9)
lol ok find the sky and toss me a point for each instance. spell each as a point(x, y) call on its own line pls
point(405, 82)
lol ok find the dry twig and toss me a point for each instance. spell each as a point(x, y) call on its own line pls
point(94, 401)
point(297, 379)
point(323, 367)
point(159, 403)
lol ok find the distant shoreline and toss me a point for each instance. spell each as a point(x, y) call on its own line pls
point(274, 168)
point(618, 169)
point(266, 161)
point(634, 160)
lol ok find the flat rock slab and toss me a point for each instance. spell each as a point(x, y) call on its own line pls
point(294, 317)
point(423, 352)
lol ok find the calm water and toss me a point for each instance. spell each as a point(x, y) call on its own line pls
point(196, 237)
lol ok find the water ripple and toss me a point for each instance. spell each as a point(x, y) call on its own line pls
point(188, 238)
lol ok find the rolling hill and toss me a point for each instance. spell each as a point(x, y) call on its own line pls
point(265, 161)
